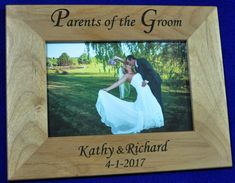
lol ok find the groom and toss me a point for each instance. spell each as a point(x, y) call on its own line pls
point(150, 77)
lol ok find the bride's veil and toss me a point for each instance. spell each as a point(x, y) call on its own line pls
point(124, 89)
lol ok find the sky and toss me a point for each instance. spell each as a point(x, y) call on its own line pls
point(72, 49)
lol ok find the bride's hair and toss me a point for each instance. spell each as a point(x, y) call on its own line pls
point(129, 57)
point(125, 71)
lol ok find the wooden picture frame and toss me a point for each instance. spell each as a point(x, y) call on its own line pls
point(32, 154)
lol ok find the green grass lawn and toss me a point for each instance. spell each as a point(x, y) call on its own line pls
point(72, 98)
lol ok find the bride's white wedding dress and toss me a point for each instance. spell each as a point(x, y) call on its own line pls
point(130, 117)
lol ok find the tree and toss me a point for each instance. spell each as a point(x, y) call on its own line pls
point(168, 58)
point(64, 60)
point(51, 62)
point(84, 59)
point(105, 51)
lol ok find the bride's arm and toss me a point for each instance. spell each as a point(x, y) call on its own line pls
point(118, 58)
point(116, 84)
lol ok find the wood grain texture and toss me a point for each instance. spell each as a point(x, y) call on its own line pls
point(31, 154)
point(26, 93)
point(207, 85)
point(58, 157)
point(39, 18)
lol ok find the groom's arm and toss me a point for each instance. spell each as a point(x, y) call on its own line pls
point(142, 73)
point(146, 68)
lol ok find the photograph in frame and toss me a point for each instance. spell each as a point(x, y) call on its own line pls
point(80, 105)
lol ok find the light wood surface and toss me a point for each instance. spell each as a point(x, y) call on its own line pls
point(26, 93)
point(39, 19)
point(32, 155)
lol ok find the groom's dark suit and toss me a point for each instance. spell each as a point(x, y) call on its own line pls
point(147, 72)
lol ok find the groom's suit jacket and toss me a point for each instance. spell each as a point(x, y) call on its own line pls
point(148, 73)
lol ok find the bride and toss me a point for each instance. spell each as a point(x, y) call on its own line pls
point(129, 117)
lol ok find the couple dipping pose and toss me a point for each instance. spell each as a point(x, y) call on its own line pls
point(132, 117)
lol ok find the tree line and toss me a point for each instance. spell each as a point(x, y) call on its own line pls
point(168, 58)
point(65, 60)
